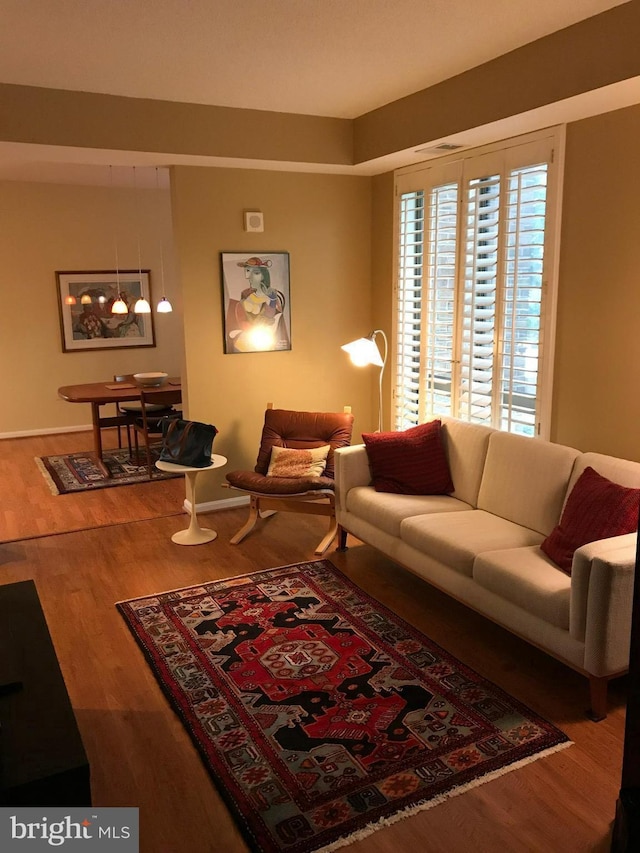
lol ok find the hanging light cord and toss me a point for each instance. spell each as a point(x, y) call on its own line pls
point(164, 306)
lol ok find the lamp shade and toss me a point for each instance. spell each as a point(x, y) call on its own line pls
point(164, 306)
point(364, 351)
point(142, 306)
point(119, 306)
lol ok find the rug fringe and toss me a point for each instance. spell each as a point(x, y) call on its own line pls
point(435, 801)
point(199, 586)
point(52, 486)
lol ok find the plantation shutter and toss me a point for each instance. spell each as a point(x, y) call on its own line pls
point(474, 246)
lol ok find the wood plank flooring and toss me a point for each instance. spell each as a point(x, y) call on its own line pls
point(27, 507)
point(140, 754)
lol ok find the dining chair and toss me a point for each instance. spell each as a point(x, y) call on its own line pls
point(147, 423)
point(123, 410)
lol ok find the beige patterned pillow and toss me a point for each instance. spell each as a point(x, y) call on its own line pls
point(287, 462)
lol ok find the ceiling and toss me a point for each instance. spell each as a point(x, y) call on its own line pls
point(337, 58)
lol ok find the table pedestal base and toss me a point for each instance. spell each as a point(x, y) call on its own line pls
point(194, 534)
point(197, 536)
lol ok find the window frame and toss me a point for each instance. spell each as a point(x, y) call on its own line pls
point(463, 166)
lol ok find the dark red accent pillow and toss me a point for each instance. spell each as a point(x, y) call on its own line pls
point(412, 462)
point(596, 509)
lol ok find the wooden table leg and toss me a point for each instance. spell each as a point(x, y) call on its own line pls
point(97, 437)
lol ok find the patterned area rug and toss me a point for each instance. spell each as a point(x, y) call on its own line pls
point(320, 715)
point(79, 472)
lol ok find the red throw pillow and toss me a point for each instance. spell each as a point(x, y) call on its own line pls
point(595, 509)
point(412, 462)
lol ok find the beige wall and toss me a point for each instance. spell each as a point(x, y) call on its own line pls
point(47, 227)
point(324, 222)
point(382, 281)
point(593, 53)
point(597, 374)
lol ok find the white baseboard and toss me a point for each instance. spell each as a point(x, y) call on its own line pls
point(216, 506)
point(25, 433)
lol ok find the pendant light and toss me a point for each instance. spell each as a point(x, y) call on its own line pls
point(164, 306)
point(141, 306)
point(119, 306)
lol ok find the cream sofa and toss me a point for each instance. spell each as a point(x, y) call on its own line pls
point(481, 544)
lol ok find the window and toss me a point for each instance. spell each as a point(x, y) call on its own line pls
point(475, 295)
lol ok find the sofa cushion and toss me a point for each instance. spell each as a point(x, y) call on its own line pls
point(466, 447)
point(456, 538)
point(596, 508)
point(387, 511)
point(621, 471)
point(411, 462)
point(525, 480)
point(527, 578)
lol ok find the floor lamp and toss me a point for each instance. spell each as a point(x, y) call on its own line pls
point(365, 351)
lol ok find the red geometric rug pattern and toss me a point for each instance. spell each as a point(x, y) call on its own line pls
point(320, 714)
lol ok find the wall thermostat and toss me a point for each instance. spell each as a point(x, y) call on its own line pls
point(253, 220)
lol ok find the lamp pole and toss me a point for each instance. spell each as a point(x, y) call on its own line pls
point(384, 362)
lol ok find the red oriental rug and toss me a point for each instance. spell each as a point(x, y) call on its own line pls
point(320, 715)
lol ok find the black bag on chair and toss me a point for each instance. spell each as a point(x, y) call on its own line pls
point(187, 442)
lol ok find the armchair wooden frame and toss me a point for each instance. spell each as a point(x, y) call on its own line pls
point(312, 503)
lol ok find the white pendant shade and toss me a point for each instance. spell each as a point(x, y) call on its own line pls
point(142, 306)
point(119, 306)
point(164, 306)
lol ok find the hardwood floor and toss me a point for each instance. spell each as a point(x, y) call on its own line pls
point(139, 752)
point(29, 509)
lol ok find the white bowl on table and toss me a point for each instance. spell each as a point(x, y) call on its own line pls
point(151, 379)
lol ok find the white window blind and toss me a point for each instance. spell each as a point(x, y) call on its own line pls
point(474, 306)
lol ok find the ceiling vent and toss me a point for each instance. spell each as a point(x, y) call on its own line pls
point(443, 148)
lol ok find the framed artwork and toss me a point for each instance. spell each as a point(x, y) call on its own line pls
point(256, 307)
point(84, 305)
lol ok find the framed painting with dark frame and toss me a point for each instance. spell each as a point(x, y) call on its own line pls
point(84, 305)
point(256, 304)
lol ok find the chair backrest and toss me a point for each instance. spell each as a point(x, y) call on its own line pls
point(166, 399)
point(302, 430)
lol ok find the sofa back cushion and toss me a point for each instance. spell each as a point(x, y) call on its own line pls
point(466, 447)
point(525, 480)
point(621, 471)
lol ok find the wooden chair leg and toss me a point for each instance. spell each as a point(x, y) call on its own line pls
point(598, 695)
point(254, 514)
point(149, 463)
point(328, 539)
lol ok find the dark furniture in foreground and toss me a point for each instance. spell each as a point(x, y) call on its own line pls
point(42, 758)
point(626, 829)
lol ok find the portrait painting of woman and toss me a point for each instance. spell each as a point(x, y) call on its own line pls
point(256, 302)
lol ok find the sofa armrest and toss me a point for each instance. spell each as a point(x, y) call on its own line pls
point(351, 469)
point(602, 601)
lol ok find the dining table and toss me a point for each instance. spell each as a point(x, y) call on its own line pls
point(99, 394)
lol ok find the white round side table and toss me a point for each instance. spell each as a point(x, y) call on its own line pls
point(193, 534)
